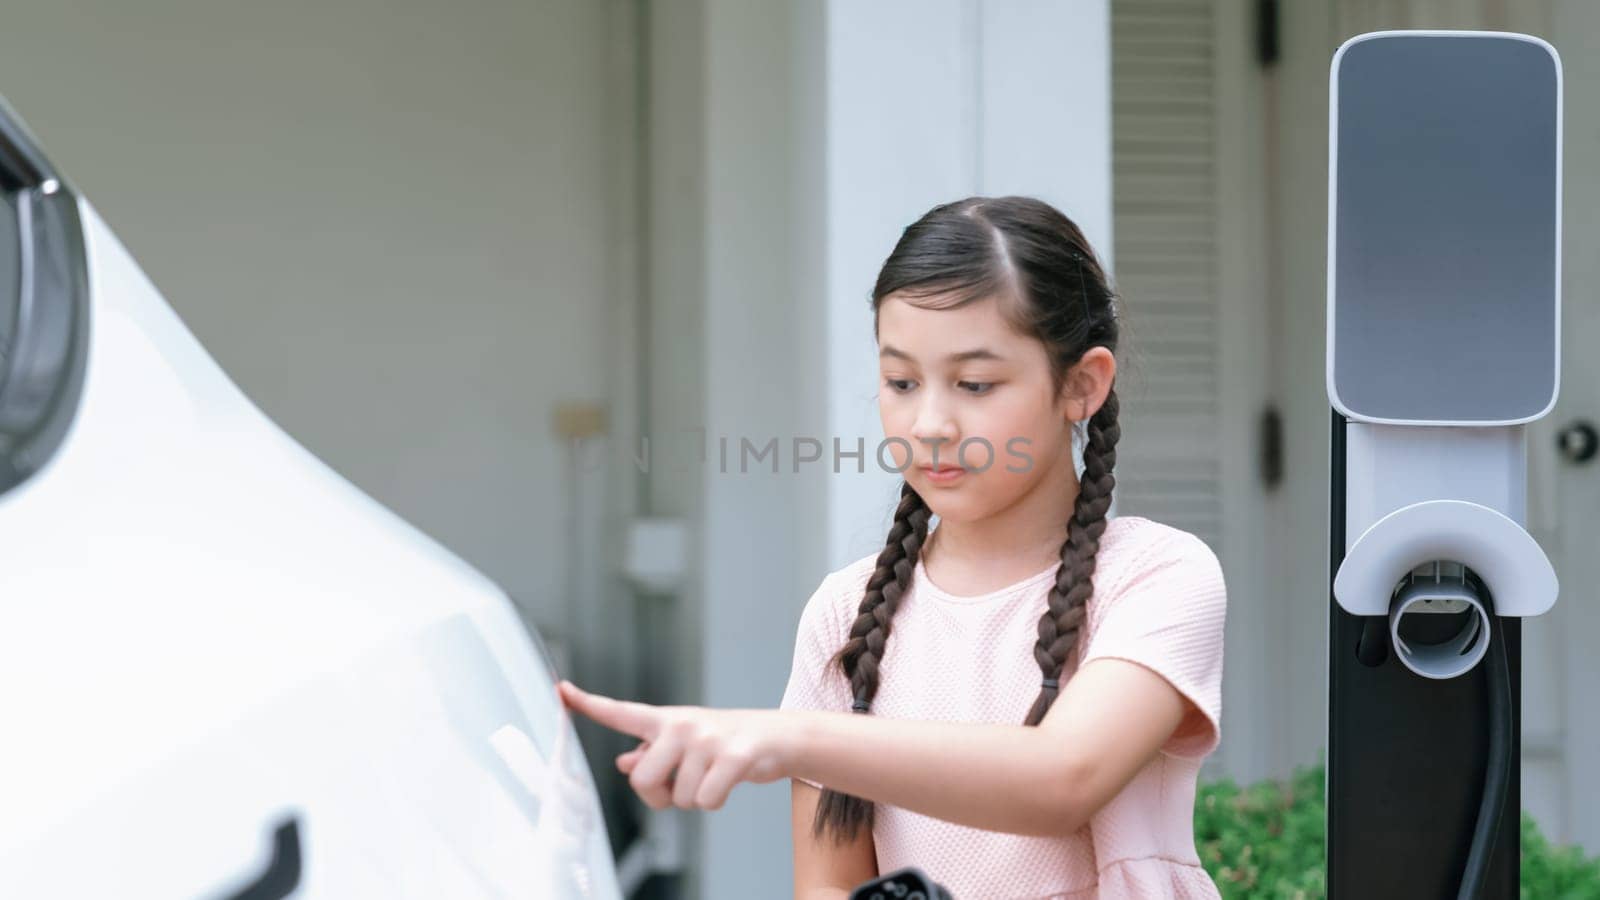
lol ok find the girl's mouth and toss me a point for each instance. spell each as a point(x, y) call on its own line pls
point(943, 475)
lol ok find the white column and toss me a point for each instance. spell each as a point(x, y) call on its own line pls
point(828, 128)
point(929, 102)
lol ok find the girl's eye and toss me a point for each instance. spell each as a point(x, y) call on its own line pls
point(976, 388)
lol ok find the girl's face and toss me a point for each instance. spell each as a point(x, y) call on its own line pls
point(960, 388)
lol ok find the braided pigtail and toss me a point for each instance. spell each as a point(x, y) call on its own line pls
point(862, 653)
point(1069, 596)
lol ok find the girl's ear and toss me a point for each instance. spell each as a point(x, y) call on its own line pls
point(1071, 400)
point(1088, 383)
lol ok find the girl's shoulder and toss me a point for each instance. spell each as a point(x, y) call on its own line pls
point(1145, 551)
point(833, 603)
point(1150, 537)
point(855, 574)
point(845, 586)
point(1136, 539)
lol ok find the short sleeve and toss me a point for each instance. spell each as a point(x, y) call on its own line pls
point(813, 683)
point(1169, 617)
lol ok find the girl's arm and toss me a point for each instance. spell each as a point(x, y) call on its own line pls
point(826, 868)
point(1110, 720)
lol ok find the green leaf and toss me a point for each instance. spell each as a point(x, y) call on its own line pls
point(1266, 840)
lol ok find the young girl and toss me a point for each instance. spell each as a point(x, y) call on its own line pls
point(1053, 680)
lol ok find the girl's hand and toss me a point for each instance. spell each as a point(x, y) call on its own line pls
point(689, 756)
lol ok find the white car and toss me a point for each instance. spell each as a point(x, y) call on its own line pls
point(224, 670)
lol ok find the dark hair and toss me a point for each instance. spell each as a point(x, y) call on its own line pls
point(1049, 283)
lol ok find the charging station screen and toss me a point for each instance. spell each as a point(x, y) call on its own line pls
point(1445, 240)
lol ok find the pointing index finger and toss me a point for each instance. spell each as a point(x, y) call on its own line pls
point(638, 719)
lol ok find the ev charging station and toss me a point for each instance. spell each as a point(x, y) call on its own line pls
point(1444, 317)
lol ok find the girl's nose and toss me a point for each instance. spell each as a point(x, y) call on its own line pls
point(935, 428)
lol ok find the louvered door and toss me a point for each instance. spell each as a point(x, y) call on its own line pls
point(1165, 210)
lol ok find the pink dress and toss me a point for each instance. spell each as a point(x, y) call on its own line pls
point(1159, 601)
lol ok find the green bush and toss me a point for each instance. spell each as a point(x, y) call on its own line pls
point(1266, 840)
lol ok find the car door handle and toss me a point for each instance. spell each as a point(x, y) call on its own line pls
point(282, 874)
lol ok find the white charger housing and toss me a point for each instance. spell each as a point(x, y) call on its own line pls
point(1444, 272)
